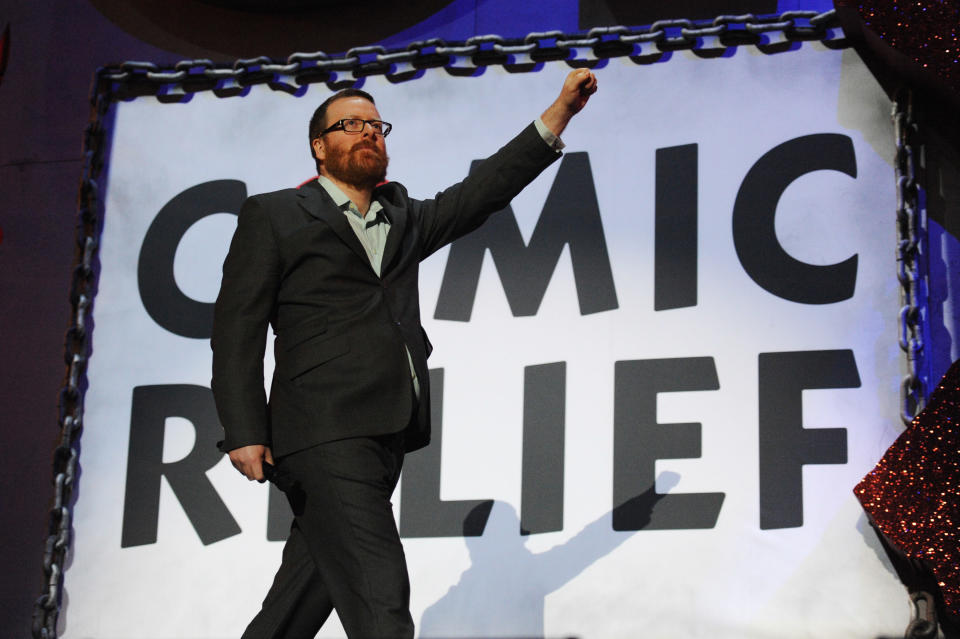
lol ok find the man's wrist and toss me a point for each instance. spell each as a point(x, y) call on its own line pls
point(552, 139)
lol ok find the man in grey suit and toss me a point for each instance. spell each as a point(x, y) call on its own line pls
point(332, 266)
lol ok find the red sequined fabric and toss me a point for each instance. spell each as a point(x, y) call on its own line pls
point(926, 31)
point(913, 493)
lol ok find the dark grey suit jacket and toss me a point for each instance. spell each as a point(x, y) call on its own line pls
point(341, 366)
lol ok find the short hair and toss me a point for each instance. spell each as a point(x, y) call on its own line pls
point(318, 121)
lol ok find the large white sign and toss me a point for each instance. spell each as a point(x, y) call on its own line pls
point(669, 361)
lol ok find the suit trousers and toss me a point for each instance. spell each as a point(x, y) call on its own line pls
point(344, 550)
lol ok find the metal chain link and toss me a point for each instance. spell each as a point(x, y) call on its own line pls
point(77, 349)
point(704, 38)
point(711, 38)
point(911, 235)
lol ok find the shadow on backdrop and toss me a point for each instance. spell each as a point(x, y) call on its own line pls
point(503, 590)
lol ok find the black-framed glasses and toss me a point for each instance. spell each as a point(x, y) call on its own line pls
point(355, 125)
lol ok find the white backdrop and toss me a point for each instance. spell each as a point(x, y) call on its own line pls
point(826, 577)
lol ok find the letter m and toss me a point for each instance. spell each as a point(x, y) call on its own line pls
point(571, 216)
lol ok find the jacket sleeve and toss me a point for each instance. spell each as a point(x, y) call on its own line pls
point(248, 294)
point(491, 185)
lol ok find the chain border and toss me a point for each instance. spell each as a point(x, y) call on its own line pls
point(911, 255)
point(642, 46)
point(77, 349)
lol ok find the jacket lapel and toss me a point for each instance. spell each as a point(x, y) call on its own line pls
point(398, 225)
point(316, 202)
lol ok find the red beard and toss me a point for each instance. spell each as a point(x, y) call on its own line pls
point(363, 167)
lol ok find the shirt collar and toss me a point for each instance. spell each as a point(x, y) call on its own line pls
point(345, 203)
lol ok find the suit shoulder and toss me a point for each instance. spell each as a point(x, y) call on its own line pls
point(271, 204)
point(274, 210)
point(275, 197)
point(393, 192)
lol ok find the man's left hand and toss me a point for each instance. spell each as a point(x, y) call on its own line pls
point(578, 86)
point(577, 89)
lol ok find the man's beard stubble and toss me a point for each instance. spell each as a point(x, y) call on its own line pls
point(357, 167)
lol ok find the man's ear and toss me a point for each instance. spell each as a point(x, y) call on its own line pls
point(318, 150)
